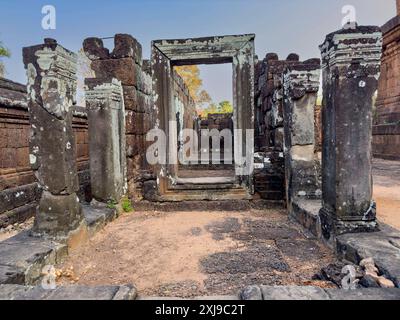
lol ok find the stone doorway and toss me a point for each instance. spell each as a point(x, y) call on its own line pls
point(235, 182)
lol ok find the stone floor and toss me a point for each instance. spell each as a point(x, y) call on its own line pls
point(189, 254)
point(387, 191)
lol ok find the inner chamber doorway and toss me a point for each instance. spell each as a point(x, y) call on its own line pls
point(205, 180)
point(204, 109)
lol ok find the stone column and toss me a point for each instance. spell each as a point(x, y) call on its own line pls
point(350, 63)
point(398, 7)
point(301, 84)
point(105, 110)
point(51, 71)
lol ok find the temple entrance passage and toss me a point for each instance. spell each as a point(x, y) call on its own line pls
point(209, 156)
point(204, 117)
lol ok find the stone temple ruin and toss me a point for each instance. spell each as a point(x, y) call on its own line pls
point(63, 163)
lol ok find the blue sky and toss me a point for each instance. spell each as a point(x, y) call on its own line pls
point(281, 26)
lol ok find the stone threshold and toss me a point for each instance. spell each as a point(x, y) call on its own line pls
point(23, 257)
point(221, 205)
point(316, 293)
point(129, 292)
point(75, 292)
point(383, 246)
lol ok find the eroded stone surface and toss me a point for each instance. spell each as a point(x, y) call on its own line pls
point(51, 71)
point(347, 120)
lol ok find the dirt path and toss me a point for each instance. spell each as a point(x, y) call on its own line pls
point(189, 254)
point(387, 191)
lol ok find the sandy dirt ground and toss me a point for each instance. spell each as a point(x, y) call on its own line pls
point(186, 254)
point(387, 191)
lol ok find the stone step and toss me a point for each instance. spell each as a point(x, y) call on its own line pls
point(18, 292)
point(201, 206)
point(315, 293)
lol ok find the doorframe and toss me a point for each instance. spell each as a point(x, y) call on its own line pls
point(236, 49)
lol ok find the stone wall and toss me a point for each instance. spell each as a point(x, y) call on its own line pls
point(269, 133)
point(386, 130)
point(125, 64)
point(183, 101)
point(269, 124)
point(19, 191)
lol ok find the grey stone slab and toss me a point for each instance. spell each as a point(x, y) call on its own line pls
point(18, 292)
point(32, 293)
point(83, 293)
point(364, 294)
point(98, 215)
point(293, 293)
point(11, 274)
point(11, 291)
point(27, 255)
point(381, 246)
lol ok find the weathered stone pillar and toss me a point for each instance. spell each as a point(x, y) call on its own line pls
point(350, 63)
point(51, 71)
point(301, 84)
point(105, 108)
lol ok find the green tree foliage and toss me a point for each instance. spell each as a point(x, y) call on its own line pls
point(204, 104)
point(4, 52)
point(191, 77)
point(225, 107)
point(222, 107)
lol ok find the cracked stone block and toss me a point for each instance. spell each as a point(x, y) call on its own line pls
point(94, 49)
point(124, 69)
point(127, 46)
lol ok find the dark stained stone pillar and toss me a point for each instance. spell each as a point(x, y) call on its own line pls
point(51, 71)
point(104, 102)
point(350, 63)
point(301, 84)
